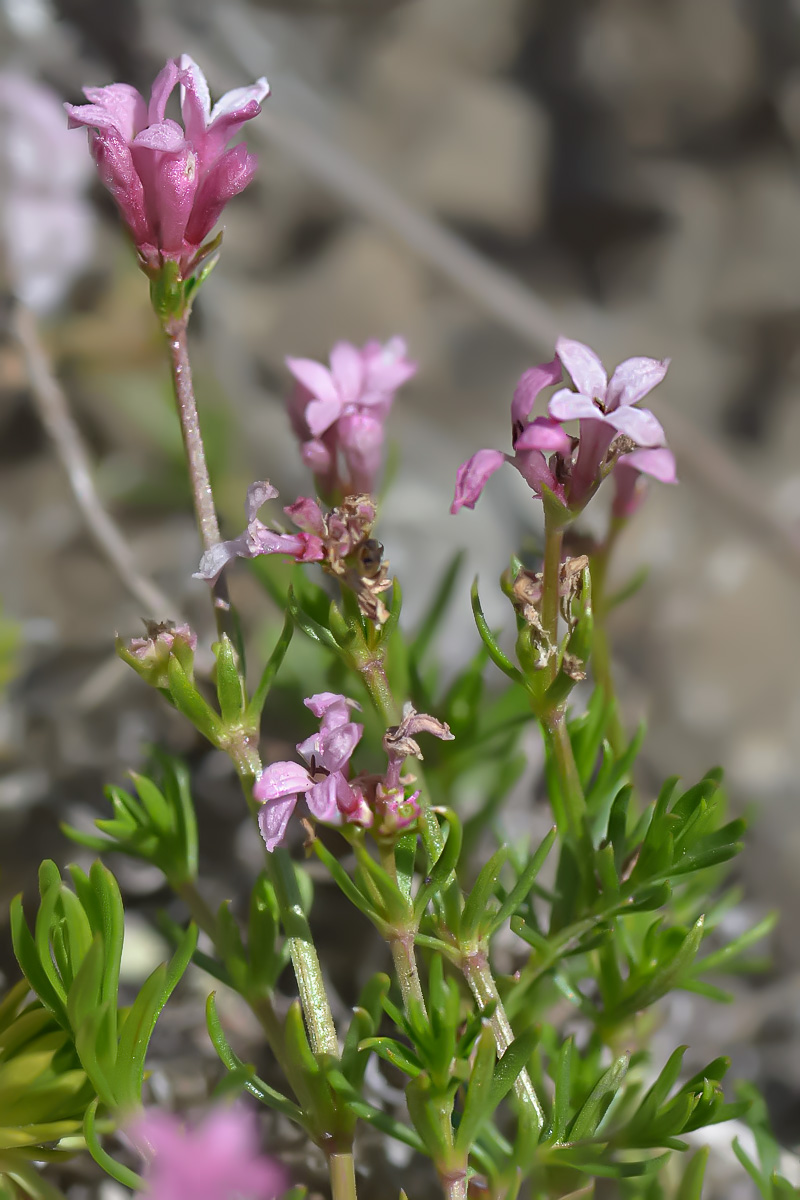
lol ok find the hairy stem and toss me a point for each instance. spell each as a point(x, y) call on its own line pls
point(305, 961)
point(478, 975)
point(202, 495)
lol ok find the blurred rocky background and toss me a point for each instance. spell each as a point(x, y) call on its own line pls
point(476, 176)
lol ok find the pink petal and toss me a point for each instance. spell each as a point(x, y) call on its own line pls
point(633, 379)
point(638, 424)
point(229, 175)
point(332, 748)
point(315, 378)
point(658, 463)
point(387, 367)
point(321, 800)
point(472, 476)
point(281, 779)
point(530, 385)
point(532, 466)
point(217, 557)
point(257, 495)
point(544, 434)
point(161, 91)
point(94, 116)
point(123, 103)
point(321, 414)
point(273, 819)
point(316, 456)
point(573, 406)
point(361, 440)
point(195, 98)
point(303, 547)
point(176, 183)
point(117, 172)
point(240, 100)
point(583, 366)
point(166, 136)
point(333, 706)
point(307, 514)
point(347, 370)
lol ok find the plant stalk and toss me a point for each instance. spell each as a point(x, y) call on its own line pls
point(601, 648)
point(551, 571)
point(478, 974)
point(175, 329)
point(342, 1171)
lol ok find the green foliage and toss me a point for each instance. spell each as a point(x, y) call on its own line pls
point(157, 825)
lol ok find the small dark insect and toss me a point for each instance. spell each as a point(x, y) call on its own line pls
point(370, 557)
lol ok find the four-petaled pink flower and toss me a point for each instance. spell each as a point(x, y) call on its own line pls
point(606, 408)
point(259, 539)
point(629, 491)
point(219, 1159)
point(170, 183)
point(531, 440)
point(613, 432)
point(324, 782)
point(339, 413)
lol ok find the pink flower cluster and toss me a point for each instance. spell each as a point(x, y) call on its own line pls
point(170, 183)
point(614, 434)
point(218, 1160)
point(331, 795)
point(338, 413)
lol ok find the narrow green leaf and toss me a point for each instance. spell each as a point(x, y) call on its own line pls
point(487, 637)
point(586, 1122)
point(231, 695)
point(523, 885)
point(118, 1171)
point(255, 1085)
point(258, 699)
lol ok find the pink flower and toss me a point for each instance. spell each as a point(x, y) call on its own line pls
point(531, 441)
point(324, 782)
point(605, 409)
point(170, 183)
point(217, 1160)
point(611, 430)
point(259, 539)
point(340, 412)
point(659, 463)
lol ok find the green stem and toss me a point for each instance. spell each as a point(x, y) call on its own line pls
point(558, 741)
point(401, 944)
point(551, 571)
point(342, 1172)
point(305, 961)
point(478, 975)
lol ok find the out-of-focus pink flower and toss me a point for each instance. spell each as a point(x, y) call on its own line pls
point(219, 1159)
point(532, 442)
point(46, 223)
point(258, 539)
point(170, 183)
point(658, 463)
point(605, 408)
point(324, 782)
point(149, 656)
point(338, 413)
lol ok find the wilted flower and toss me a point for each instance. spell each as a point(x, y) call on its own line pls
point(46, 222)
point(324, 782)
point(339, 413)
point(170, 183)
point(259, 539)
point(219, 1159)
